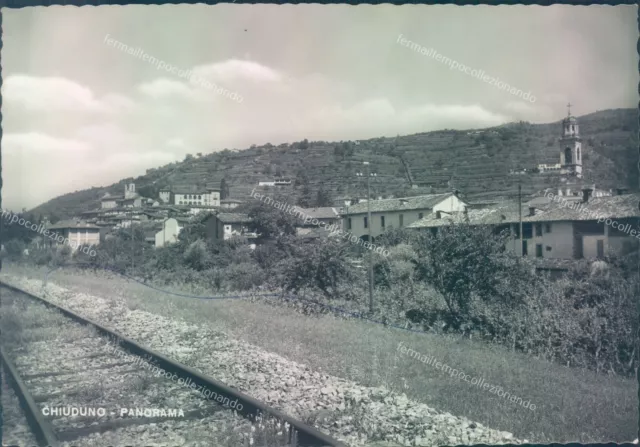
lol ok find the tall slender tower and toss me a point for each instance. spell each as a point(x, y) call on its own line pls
point(571, 146)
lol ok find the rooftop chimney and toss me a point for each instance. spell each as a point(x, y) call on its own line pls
point(438, 215)
point(532, 211)
point(586, 193)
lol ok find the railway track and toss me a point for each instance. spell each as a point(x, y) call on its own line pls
point(80, 383)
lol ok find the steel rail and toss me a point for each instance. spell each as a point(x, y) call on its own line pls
point(307, 436)
point(42, 430)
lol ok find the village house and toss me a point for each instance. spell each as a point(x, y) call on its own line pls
point(557, 228)
point(130, 199)
point(75, 233)
point(396, 213)
point(327, 215)
point(224, 226)
point(208, 197)
point(169, 233)
point(164, 195)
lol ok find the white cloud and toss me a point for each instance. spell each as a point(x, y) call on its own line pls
point(39, 143)
point(56, 94)
point(162, 88)
point(379, 112)
point(237, 70)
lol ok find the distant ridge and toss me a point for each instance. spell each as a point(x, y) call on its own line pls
point(478, 162)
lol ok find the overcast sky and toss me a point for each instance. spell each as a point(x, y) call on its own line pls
point(78, 111)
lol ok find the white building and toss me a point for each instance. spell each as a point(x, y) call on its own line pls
point(396, 213)
point(207, 197)
point(169, 233)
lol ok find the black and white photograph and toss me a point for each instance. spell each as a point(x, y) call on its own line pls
point(319, 225)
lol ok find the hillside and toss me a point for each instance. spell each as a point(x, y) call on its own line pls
point(477, 162)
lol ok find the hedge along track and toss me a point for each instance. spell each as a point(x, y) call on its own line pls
point(99, 357)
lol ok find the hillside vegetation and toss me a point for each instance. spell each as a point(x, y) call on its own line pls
point(477, 162)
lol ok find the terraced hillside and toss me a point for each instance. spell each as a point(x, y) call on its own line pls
point(480, 163)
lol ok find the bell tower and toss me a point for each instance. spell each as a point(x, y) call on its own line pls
point(570, 146)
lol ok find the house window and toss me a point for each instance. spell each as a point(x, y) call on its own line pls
point(382, 221)
point(547, 228)
point(401, 220)
point(527, 231)
point(578, 155)
point(600, 248)
point(538, 229)
point(538, 250)
point(525, 250)
point(366, 222)
point(420, 215)
point(434, 231)
point(548, 248)
point(348, 223)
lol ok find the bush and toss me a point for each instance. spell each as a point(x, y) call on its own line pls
point(196, 256)
point(465, 264)
point(319, 265)
point(15, 249)
point(62, 255)
point(244, 276)
point(41, 256)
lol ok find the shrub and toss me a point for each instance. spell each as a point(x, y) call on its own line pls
point(196, 256)
point(15, 249)
point(319, 265)
point(465, 263)
point(62, 255)
point(41, 256)
point(244, 276)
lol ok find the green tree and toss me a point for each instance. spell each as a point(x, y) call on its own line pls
point(464, 263)
point(317, 265)
point(196, 256)
point(305, 200)
point(323, 198)
point(271, 222)
point(224, 189)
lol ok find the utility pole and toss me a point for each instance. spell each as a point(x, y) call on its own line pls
point(369, 223)
point(520, 214)
point(369, 228)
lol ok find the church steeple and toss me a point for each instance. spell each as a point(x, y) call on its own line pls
point(571, 147)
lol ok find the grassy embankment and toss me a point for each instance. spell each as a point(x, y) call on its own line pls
point(571, 404)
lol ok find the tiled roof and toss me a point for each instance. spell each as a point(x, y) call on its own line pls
point(230, 201)
point(64, 224)
point(233, 218)
point(112, 198)
point(326, 212)
point(573, 209)
point(493, 214)
point(614, 207)
point(403, 203)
